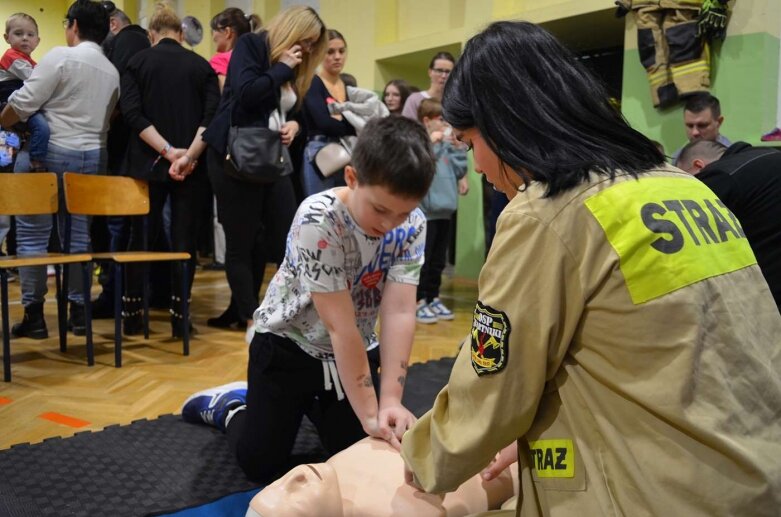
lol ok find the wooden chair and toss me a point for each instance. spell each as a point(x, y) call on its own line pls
point(88, 194)
point(36, 194)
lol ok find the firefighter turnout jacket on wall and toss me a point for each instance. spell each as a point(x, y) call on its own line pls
point(676, 59)
point(625, 336)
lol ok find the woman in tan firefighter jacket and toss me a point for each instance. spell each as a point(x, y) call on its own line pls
point(624, 335)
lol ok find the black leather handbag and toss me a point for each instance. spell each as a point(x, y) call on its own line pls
point(256, 155)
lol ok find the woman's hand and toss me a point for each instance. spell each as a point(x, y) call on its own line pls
point(503, 459)
point(293, 56)
point(463, 186)
point(289, 131)
point(182, 167)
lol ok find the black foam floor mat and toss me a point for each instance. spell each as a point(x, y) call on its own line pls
point(151, 466)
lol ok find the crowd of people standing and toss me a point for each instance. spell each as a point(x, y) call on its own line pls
point(170, 126)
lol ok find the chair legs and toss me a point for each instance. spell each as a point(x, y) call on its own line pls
point(61, 282)
point(118, 287)
point(87, 283)
point(145, 300)
point(185, 310)
point(6, 326)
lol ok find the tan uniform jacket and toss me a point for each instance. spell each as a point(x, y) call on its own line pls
point(626, 335)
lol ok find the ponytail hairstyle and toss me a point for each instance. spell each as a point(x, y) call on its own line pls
point(235, 18)
point(165, 19)
point(291, 26)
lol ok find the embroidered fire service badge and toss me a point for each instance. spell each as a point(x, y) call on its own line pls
point(490, 338)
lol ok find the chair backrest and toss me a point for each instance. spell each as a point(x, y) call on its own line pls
point(30, 193)
point(90, 194)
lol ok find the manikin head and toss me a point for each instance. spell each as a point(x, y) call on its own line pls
point(367, 480)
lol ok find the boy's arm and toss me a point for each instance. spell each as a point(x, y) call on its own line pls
point(397, 329)
point(21, 68)
point(337, 313)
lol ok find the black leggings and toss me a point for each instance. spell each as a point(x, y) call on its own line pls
point(437, 242)
point(188, 199)
point(284, 384)
point(256, 219)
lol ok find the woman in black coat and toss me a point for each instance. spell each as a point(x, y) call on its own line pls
point(269, 75)
point(169, 96)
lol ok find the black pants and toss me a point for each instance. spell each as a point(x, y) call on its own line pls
point(437, 242)
point(256, 219)
point(188, 198)
point(284, 384)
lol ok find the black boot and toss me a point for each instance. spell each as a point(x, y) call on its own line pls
point(132, 320)
point(76, 323)
point(227, 320)
point(103, 307)
point(33, 325)
point(177, 320)
point(177, 326)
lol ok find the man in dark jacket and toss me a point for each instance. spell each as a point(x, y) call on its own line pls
point(123, 42)
point(748, 180)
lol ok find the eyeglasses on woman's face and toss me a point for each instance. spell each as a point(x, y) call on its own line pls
point(441, 71)
point(66, 22)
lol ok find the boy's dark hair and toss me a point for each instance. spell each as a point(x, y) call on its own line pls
point(349, 79)
point(92, 18)
point(701, 101)
point(395, 152)
point(702, 149)
point(429, 108)
point(546, 117)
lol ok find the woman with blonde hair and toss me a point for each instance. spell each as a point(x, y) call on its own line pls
point(169, 96)
point(269, 75)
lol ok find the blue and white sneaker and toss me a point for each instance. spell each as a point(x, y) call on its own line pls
point(423, 314)
point(440, 310)
point(212, 406)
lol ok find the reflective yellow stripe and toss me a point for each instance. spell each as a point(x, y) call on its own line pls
point(553, 458)
point(669, 233)
point(701, 66)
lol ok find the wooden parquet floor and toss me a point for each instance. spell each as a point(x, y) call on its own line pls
point(57, 394)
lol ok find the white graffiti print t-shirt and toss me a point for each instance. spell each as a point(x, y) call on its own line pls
point(328, 252)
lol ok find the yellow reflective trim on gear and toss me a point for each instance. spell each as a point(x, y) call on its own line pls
point(553, 458)
point(669, 233)
point(690, 69)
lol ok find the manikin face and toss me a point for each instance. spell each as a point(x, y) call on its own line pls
point(22, 36)
point(702, 125)
point(392, 98)
point(335, 57)
point(376, 210)
point(304, 491)
point(440, 72)
point(488, 163)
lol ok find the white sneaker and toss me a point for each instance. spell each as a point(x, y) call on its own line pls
point(423, 313)
point(440, 310)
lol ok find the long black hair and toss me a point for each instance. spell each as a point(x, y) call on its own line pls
point(540, 110)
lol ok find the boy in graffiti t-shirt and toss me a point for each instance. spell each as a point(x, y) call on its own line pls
point(353, 254)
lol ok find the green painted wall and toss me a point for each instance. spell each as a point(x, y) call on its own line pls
point(744, 77)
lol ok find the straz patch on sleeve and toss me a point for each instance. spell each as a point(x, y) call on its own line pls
point(553, 458)
point(490, 339)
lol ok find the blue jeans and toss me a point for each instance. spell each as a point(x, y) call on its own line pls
point(39, 137)
point(312, 181)
point(33, 231)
